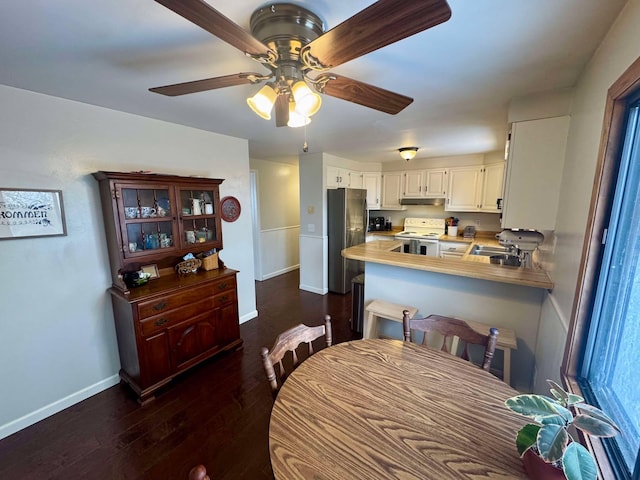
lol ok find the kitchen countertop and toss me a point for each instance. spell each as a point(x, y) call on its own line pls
point(471, 266)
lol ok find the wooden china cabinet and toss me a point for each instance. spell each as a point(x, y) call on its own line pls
point(173, 322)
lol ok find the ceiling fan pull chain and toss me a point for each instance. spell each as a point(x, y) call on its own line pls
point(305, 145)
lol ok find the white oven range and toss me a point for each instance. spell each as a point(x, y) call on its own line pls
point(420, 235)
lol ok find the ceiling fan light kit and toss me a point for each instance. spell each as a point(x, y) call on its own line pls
point(408, 152)
point(292, 43)
point(262, 102)
point(295, 119)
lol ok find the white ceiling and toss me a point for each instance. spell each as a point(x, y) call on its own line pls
point(461, 74)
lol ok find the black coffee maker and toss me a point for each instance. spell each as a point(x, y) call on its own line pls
point(376, 224)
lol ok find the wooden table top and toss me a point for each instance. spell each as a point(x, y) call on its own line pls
point(388, 409)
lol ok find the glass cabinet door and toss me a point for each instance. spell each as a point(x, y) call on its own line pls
point(148, 225)
point(199, 220)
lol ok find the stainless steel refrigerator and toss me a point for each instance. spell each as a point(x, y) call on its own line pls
point(346, 226)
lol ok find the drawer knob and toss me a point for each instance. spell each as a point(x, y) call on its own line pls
point(160, 306)
point(224, 298)
point(160, 322)
point(222, 286)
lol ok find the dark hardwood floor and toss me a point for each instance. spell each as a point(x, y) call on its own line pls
point(216, 414)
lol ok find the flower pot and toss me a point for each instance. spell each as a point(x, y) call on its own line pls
point(538, 469)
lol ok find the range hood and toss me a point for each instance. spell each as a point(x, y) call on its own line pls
point(422, 201)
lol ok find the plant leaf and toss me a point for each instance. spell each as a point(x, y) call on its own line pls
point(594, 426)
point(558, 392)
point(526, 437)
point(594, 412)
point(534, 406)
point(555, 420)
point(578, 464)
point(552, 440)
point(573, 399)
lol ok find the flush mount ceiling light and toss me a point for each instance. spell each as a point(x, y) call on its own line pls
point(408, 152)
point(292, 43)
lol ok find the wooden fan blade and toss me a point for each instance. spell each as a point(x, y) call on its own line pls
point(282, 111)
point(209, 19)
point(203, 85)
point(378, 25)
point(362, 93)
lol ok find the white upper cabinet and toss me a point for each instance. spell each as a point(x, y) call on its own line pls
point(475, 188)
point(338, 177)
point(371, 182)
point(355, 179)
point(436, 182)
point(425, 183)
point(413, 181)
point(392, 190)
point(534, 173)
point(465, 184)
point(492, 186)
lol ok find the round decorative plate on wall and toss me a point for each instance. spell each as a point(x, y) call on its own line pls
point(230, 209)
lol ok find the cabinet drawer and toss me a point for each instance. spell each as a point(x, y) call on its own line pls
point(159, 305)
point(164, 320)
point(224, 298)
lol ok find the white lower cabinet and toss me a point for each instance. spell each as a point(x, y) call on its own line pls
point(452, 249)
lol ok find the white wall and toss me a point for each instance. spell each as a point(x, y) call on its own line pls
point(619, 49)
point(279, 210)
point(57, 339)
point(313, 239)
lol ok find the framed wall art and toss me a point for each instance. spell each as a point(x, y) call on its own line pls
point(31, 213)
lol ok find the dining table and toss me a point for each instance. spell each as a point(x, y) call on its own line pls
point(389, 409)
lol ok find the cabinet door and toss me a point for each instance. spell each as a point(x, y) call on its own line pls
point(436, 182)
point(155, 359)
point(492, 183)
point(147, 223)
point(412, 187)
point(193, 340)
point(534, 173)
point(334, 177)
point(391, 190)
point(371, 182)
point(355, 179)
point(464, 189)
point(199, 216)
point(228, 323)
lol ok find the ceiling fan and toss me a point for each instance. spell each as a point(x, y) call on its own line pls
point(290, 41)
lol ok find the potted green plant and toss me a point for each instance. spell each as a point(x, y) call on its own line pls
point(550, 439)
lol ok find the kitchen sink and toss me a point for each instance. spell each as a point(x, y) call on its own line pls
point(505, 259)
point(489, 251)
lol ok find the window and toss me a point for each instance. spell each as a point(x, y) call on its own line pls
point(602, 353)
point(612, 353)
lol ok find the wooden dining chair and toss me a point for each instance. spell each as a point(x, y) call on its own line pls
point(449, 328)
point(289, 341)
point(199, 472)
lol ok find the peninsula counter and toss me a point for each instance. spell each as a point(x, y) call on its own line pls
point(490, 294)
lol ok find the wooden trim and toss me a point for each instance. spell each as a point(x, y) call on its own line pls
point(601, 198)
point(609, 154)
